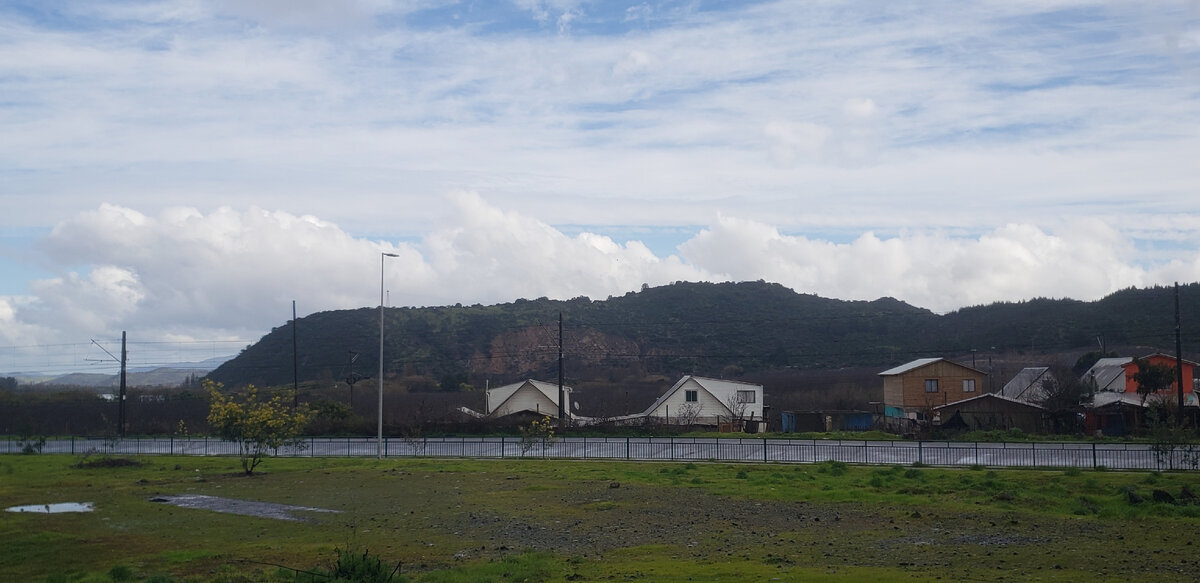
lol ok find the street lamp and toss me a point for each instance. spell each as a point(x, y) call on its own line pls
point(379, 438)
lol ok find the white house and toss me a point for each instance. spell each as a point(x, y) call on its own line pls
point(704, 401)
point(527, 396)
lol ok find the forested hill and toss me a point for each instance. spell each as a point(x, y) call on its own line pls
point(699, 328)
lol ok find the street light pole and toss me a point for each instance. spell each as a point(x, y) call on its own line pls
point(379, 437)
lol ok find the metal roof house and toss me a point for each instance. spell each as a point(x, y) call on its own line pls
point(697, 400)
point(529, 396)
point(925, 383)
point(1028, 385)
point(1108, 374)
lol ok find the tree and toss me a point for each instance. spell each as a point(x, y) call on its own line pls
point(688, 414)
point(1063, 391)
point(1152, 378)
point(1064, 395)
point(538, 431)
point(737, 410)
point(255, 423)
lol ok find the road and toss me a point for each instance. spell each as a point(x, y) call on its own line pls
point(931, 453)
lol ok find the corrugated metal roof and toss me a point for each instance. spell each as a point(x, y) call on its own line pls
point(918, 363)
point(1108, 373)
point(497, 396)
point(715, 387)
point(1027, 385)
point(990, 396)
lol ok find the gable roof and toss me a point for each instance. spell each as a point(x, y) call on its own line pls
point(1027, 385)
point(1108, 373)
point(991, 396)
point(923, 362)
point(1163, 356)
point(714, 387)
point(501, 395)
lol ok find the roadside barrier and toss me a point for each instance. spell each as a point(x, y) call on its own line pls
point(1043, 455)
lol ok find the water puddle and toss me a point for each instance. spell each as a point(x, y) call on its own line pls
point(53, 508)
point(235, 506)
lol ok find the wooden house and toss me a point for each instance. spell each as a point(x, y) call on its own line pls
point(919, 386)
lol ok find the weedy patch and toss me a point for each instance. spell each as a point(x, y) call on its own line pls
point(555, 520)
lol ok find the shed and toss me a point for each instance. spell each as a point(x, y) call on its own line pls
point(826, 421)
point(994, 411)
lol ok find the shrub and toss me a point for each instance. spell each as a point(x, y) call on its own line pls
point(120, 573)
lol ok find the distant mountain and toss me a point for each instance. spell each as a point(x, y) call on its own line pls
point(169, 375)
point(700, 328)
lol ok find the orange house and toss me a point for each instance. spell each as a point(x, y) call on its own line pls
point(1158, 358)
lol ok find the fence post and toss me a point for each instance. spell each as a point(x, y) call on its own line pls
point(764, 450)
point(627, 456)
point(920, 452)
point(1094, 465)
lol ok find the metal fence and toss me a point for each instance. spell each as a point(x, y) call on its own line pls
point(1046, 455)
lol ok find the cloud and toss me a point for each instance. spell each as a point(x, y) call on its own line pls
point(229, 273)
point(859, 108)
point(1086, 260)
point(966, 155)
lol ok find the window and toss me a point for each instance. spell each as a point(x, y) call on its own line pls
point(691, 396)
point(968, 385)
point(931, 385)
point(745, 396)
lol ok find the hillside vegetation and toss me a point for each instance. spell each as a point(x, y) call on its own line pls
point(717, 329)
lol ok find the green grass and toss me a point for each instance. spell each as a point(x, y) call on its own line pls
point(554, 520)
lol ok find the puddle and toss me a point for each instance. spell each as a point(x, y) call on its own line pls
point(242, 507)
point(53, 508)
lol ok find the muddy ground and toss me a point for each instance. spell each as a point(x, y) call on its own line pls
point(434, 520)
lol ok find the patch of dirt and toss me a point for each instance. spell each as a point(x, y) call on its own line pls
point(109, 462)
point(242, 507)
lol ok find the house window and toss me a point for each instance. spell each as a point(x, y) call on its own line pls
point(745, 396)
point(931, 385)
point(691, 396)
point(968, 385)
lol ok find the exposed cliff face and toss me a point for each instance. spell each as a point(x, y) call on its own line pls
point(536, 347)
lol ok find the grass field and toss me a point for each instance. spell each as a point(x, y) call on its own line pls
point(538, 520)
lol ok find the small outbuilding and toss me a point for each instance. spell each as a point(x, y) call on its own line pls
point(993, 411)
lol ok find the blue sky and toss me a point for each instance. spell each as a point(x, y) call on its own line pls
point(184, 169)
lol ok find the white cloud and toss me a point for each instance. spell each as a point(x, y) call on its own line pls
point(1086, 260)
point(991, 141)
point(232, 273)
point(859, 108)
point(633, 62)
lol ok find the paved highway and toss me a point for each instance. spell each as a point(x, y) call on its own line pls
point(932, 453)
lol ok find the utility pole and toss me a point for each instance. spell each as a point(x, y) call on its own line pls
point(562, 418)
point(295, 366)
point(1178, 356)
point(121, 411)
point(121, 396)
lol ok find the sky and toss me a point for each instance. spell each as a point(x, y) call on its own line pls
point(185, 169)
